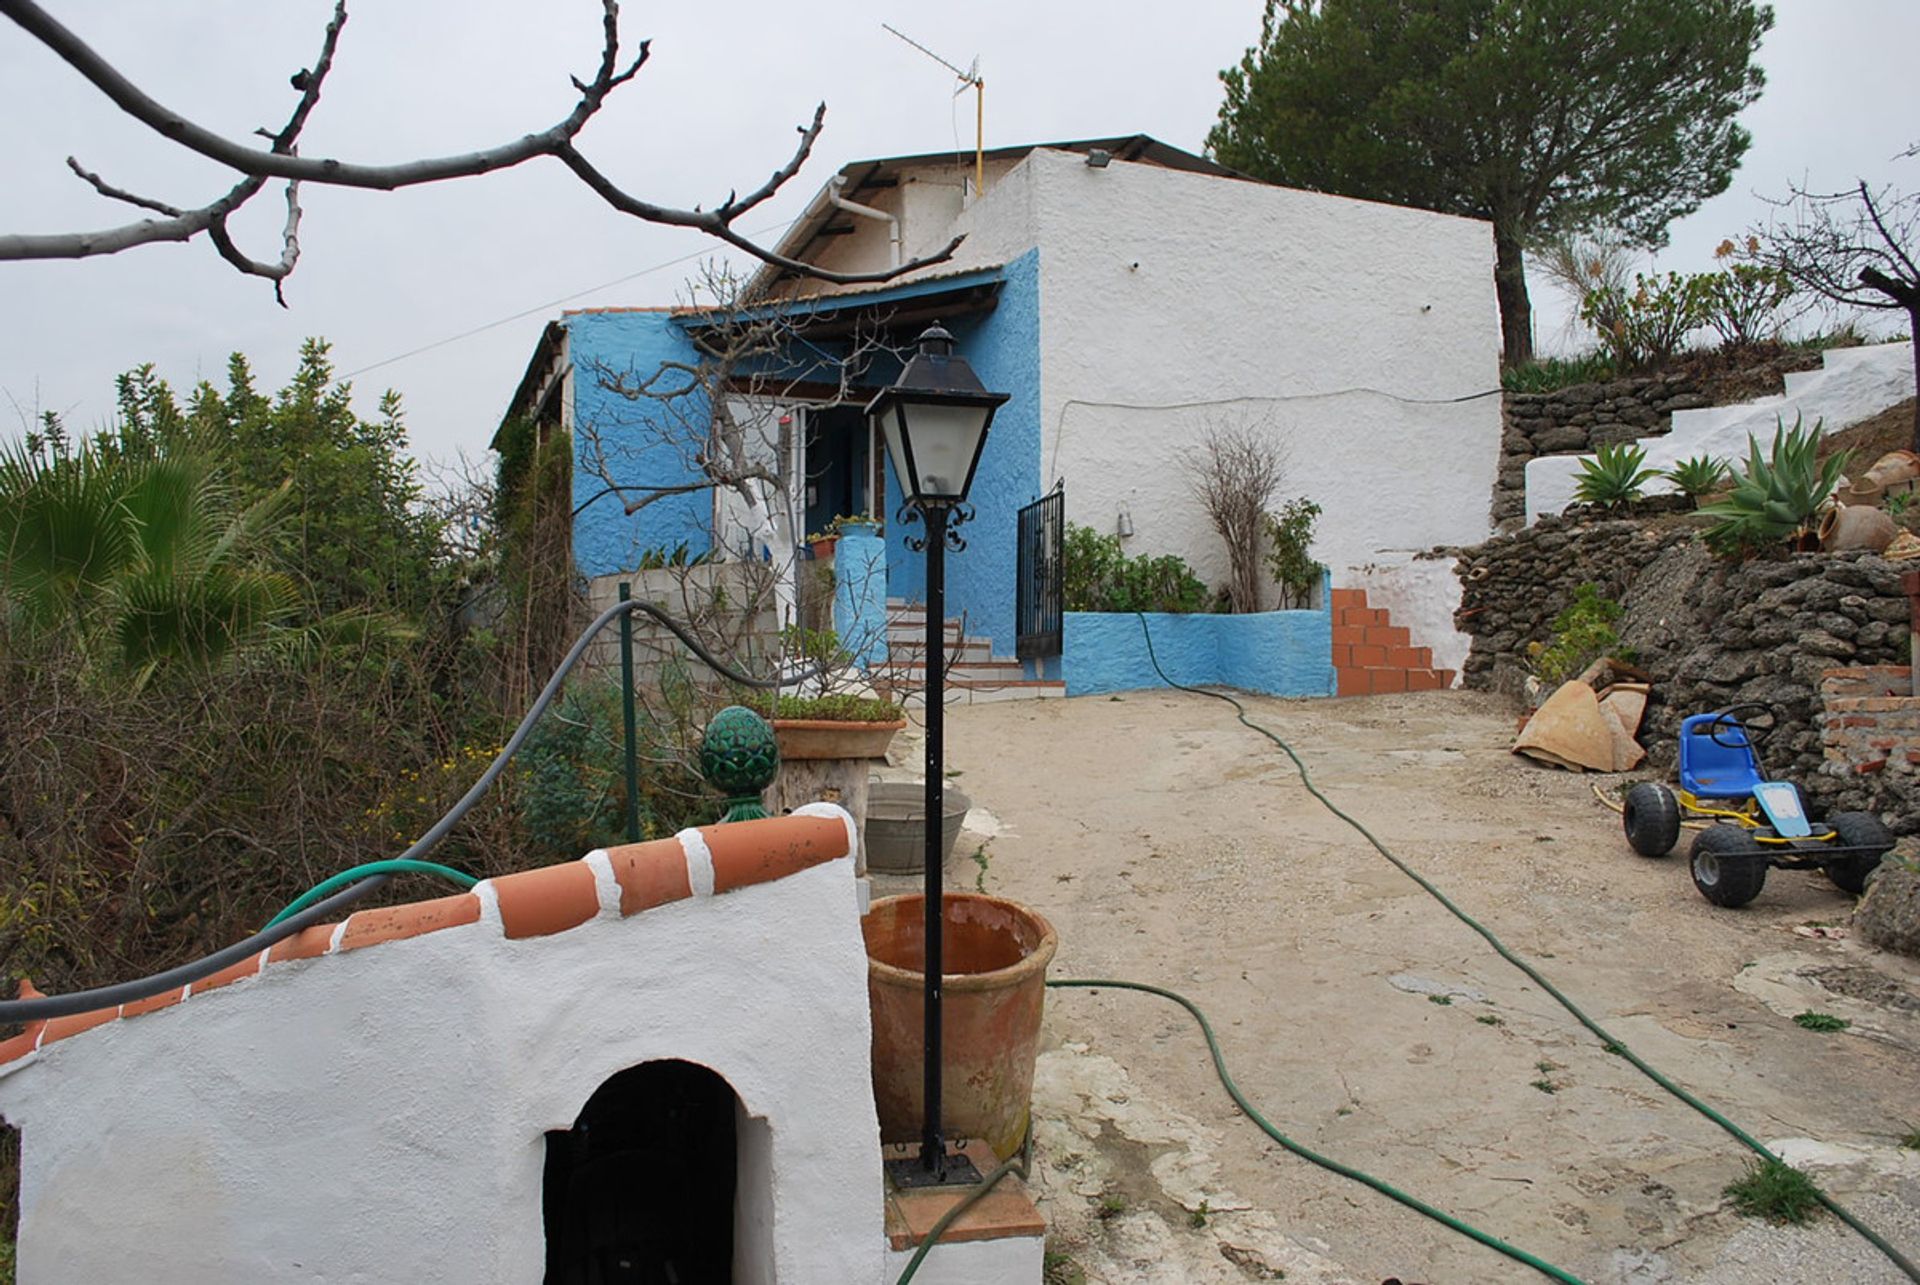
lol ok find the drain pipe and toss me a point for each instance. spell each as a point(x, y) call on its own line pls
point(839, 202)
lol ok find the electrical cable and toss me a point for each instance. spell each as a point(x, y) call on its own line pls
point(117, 993)
point(1267, 399)
point(1612, 1043)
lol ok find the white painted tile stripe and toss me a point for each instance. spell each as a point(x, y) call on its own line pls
point(699, 862)
point(605, 884)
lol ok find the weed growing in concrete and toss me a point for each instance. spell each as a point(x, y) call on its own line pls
point(1776, 1192)
point(980, 859)
point(1911, 1141)
point(1112, 1205)
point(1442, 1000)
point(1488, 1019)
point(1198, 1217)
point(1821, 1022)
point(1058, 1268)
point(1545, 1085)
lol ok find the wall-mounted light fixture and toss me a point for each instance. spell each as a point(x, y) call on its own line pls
point(1098, 158)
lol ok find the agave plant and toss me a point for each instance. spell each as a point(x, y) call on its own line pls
point(1778, 496)
point(1614, 475)
point(1698, 476)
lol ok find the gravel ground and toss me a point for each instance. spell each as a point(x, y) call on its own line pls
point(1168, 844)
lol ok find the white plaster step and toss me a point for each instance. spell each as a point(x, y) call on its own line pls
point(965, 694)
point(989, 671)
point(975, 651)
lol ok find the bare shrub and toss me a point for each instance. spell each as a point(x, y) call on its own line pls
point(1235, 472)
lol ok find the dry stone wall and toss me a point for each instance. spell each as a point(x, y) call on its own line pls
point(1710, 633)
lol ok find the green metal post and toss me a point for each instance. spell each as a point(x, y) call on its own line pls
point(627, 712)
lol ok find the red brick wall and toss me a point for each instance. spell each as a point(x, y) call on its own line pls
point(1871, 721)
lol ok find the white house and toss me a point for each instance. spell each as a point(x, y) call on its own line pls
point(1129, 296)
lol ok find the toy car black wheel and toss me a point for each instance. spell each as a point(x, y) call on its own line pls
point(1858, 830)
point(1729, 868)
point(1652, 819)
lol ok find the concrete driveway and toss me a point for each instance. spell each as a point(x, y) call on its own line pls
point(1170, 845)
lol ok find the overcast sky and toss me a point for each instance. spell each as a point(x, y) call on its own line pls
point(383, 275)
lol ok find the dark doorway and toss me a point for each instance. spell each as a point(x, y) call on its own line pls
point(838, 439)
point(641, 1190)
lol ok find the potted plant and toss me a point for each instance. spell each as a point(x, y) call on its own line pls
point(821, 543)
point(835, 726)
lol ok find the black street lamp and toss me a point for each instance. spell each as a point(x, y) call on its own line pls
point(934, 419)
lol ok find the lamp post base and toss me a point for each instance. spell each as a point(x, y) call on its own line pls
point(911, 1172)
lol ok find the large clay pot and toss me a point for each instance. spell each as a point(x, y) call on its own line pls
point(995, 957)
point(1853, 527)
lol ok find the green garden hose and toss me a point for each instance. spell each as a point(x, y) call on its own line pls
point(395, 867)
point(1612, 1043)
point(1305, 1153)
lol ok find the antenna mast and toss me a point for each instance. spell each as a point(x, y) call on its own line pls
point(969, 79)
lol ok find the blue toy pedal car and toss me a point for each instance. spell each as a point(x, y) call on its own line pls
point(1757, 823)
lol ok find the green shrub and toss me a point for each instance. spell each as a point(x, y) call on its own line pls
point(1777, 497)
point(1698, 476)
point(1648, 325)
point(1582, 634)
point(1289, 538)
point(1099, 576)
point(1613, 476)
point(1741, 302)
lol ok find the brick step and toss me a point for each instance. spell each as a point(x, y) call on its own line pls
point(1372, 681)
point(1381, 657)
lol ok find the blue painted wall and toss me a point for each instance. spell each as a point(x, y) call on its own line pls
point(860, 595)
point(1279, 653)
point(605, 538)
point(1004, 349)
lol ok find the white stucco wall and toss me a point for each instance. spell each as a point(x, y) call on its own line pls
point(1422, 594)
point(377, 1115)
point(1171, 301)
point(1851, 385)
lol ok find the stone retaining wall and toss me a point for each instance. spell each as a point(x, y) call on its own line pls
point(1577, 419)
point(1711, 634)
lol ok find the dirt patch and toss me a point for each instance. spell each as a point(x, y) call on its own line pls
point(1865, 984)
point(1169, 845)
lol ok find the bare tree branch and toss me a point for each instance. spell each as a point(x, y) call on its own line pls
point(282, 161)
point(106, 189)
point(1854, 248)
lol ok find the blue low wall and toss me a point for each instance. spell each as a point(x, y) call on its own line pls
point(1278, 653)
point(860, 595)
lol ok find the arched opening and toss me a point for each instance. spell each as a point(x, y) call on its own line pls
point(642, 1188)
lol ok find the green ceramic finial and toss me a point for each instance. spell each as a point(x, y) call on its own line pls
point(739, 757)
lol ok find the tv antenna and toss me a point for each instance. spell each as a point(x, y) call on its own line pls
point(969, 79)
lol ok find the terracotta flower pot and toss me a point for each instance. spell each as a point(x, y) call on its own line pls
point(995, 957)
point(823, 549)
point(819, 738)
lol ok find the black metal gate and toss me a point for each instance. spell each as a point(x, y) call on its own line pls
point(1042, 570)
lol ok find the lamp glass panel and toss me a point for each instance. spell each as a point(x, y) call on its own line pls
point(945, 439)
point(889, 422)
